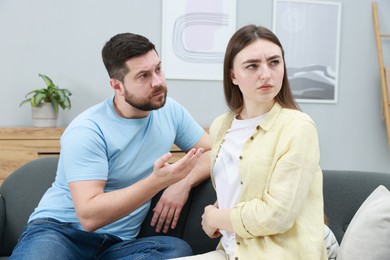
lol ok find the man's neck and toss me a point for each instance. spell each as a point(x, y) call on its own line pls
point(125, 110)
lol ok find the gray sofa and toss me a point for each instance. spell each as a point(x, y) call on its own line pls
point(344, 192)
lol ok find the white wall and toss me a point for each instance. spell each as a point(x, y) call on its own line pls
point(63, 39)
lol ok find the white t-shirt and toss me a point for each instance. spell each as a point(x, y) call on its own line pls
point(226, 170)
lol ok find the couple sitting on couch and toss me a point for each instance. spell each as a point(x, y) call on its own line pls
point(264, 164)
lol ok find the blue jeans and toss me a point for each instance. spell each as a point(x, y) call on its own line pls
point(51, 239)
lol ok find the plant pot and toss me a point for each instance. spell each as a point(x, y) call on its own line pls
point(44, 116)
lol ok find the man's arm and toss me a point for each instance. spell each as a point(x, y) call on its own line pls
point(168, 209)
point(96, 208)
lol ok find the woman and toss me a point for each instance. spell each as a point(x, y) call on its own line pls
point(265, 160)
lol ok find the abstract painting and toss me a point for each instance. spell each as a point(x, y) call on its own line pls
point(194, 37)
point(310, 35)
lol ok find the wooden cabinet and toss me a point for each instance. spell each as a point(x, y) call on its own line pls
point(21, 145)
point(177, 154)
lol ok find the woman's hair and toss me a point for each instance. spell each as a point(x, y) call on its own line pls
point(241, 39)
point(122, 47)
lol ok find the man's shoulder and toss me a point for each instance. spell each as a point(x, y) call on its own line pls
point(172, 103)
point(89, 117)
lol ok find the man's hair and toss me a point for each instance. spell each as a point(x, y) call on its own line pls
point(241, 39)
point(122, 47)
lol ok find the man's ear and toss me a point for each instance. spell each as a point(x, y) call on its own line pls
point(117, 86)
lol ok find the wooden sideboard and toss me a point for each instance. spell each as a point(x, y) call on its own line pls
point(21, 145)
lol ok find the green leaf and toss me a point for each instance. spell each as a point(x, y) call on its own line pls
point(54, 102)
point(47, 80)
point(24, 102)
point(38, 99)
point(61, 96)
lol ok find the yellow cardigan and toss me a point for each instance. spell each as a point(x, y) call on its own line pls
point(280, 211)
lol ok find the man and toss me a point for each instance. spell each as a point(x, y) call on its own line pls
point(114, 159)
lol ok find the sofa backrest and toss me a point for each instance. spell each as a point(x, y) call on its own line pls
point(20, 193)
point(344, 193)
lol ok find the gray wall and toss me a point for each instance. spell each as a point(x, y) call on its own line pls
point(63, 39)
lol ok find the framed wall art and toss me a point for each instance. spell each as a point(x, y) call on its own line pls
point(310, 35)
point(194, 37)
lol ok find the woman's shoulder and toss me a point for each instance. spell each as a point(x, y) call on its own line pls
point(221, 121)
point(295, 115)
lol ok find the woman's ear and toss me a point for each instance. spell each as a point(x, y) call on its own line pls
point(232, 77)
point(117, 86)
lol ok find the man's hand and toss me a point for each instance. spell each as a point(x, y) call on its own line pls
point(168, 209)
point(168, 174)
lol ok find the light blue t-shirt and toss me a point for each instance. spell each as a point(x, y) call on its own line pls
point(101, 145)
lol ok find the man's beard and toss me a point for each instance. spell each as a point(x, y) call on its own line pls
point(147, 104)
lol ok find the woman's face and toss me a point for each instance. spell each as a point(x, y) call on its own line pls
point(258, 71)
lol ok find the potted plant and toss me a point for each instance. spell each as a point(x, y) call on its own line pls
point(45, 103)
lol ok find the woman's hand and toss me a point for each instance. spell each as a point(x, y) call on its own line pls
point(207, 218)
point(214, 219)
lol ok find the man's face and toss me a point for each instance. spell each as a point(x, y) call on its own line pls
point(144, 85)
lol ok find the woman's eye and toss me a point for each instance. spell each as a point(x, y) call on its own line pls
point(275, 62)
point(251, 66)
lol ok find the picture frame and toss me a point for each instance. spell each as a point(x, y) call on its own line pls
point(195, 34)
point(310, 35)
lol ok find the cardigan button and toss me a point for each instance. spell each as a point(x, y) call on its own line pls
point(238, 243)
point(240, 157)
point(257, 127)
point(252, 138)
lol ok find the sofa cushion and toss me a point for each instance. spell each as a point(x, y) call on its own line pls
point(367, 236)
point(345, 192)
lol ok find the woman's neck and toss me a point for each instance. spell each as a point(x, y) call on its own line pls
point(251, 111)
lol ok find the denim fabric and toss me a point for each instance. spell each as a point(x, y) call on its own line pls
point(51, 239)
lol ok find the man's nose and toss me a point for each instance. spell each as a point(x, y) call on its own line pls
point(157, 80)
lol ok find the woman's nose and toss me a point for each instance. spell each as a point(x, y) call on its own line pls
point(264, 73)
